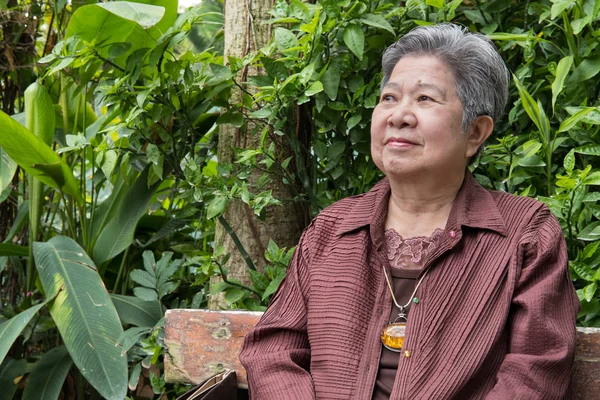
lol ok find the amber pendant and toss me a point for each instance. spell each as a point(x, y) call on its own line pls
point(392, 336)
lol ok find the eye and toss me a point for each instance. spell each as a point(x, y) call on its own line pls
point(387, 97)
point(424, 98)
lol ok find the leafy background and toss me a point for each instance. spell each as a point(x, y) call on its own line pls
point(111, 184)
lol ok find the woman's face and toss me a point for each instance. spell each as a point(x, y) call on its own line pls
point(417, 126)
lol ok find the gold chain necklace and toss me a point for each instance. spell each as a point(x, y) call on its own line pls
point(393, 334)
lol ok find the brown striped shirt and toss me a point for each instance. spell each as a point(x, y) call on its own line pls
point(495, 320)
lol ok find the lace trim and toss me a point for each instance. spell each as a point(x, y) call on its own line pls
point(415, 248)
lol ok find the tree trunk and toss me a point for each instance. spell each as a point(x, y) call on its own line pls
point(246, 31)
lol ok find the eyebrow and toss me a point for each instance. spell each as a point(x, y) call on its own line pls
point(420, 85)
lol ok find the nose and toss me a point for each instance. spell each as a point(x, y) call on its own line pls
point(402, 116)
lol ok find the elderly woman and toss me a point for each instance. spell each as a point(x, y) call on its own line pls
point(428, 286)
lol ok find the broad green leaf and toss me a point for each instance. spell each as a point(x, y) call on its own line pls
point(592, 179)
point(581, 23)
point(592, 197)
point(531, 161)
point(117, 235)
point(314, 88)
point(7, 169)
point(146, 294)
point(574, 119)
point(234, 294)
point(586, 70)
point(590, 232)
point(285, 39)
point(354, 38)
point(378, 21)
point(36, 157)
point(558, 7)
point(563, 68)
point(8, 249)
point(114, 22)
point(84, 314)
point(582, 270)
point(589, 149)
point(216, 207)
point(11, 374)
point(331, 82)
point(143, 278)
point(569, 161)
point(354, 120)
point(11, 329)
point(589, 291)
point(134, 376)
point(48, 375)
point(273, 286)
point(168, 19)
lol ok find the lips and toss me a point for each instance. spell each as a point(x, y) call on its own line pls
point(399, 141)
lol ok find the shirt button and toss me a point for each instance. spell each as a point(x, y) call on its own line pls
point(407, 354)
point(452, 234)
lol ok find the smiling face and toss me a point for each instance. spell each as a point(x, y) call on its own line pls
point(417, 126)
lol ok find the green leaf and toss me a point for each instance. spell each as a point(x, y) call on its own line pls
point(234, 294)
point(435, 3)
point(135, 311)
point(7, 169)
point(216, 207)
point(134, 377)
point(84, 314)
point(331, 82)
point(11, 329)
point(378, 21)
point(570, 122)
point(586, 70)
point(48, 375)
point(563, 68)
point(117, 235)
point(592, 179)
point(285, 39)
point(354, 38)
point(581, 23)
point(32, 154)
point(143, 278)
point(533, 110)
point(259, 280)
point(146, 294)
point(589, 291)
point(130, 337)
point(314, 88)
point(531, 161)
point(11, 374)
point(582, 270)
point(39, 112)
point(273, 286)
point(143, 14)
point(354, 120)
point(8, 249)
point(589, 149)
point(558, 7)
point(590, 232)
point(569, 161)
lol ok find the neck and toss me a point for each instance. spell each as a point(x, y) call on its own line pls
point(417, 207)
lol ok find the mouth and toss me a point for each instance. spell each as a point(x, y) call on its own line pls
point(396, 141)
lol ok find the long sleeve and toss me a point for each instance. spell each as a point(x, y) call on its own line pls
point(276, 354)
point(542, 319)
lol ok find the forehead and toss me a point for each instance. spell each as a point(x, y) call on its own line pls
point(423, 69)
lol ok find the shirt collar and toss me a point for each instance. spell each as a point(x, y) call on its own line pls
point(473, 207)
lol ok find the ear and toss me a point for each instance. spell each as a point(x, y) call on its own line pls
point(480, 130)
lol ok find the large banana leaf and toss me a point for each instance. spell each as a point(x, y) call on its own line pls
point(11, 372)
point(48, 375)
point(36, 157)
point(84, 314)
point(11, 329)
point(117, 234)
point(168, 18)
point(116, 22)
point(135, 311)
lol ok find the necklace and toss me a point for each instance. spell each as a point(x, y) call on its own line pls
point(393, 333)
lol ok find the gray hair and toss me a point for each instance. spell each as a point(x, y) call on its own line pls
point(480, 72)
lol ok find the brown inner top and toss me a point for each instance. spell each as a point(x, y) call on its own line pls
point(407, 260)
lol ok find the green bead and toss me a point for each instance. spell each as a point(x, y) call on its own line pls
point(416, 300)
